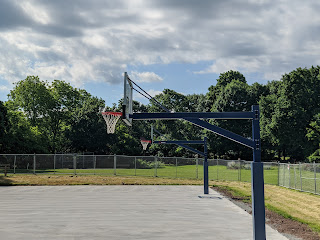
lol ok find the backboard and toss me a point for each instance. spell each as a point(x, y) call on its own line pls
point(127, 100)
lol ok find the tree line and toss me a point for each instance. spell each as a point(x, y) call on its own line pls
point(43, 117)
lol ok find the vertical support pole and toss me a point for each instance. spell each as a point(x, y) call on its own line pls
point(315, 177)
point(14, 164)
point(115, 164)
point(135, 166)
point(257, 181)
point(205, 168)
point(197, 163)
point(75, 164)
point(34, 163)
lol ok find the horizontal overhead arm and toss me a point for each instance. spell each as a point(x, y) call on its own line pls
point(180, 142)
point(222, 132)
point(202, 115)
point(196, 119)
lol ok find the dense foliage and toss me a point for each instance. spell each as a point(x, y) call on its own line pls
point(42, 117)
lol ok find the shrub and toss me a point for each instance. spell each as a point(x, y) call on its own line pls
point(233, 165)
point(143, 164)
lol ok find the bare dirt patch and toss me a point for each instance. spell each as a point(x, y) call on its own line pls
point(290, 228)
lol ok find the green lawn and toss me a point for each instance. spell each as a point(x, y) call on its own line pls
point(168, 171)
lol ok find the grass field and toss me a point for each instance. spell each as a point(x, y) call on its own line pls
point(184, 171)
point(283, 176)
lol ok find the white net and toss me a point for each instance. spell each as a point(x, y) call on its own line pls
point(144, 144)
point(111, 119)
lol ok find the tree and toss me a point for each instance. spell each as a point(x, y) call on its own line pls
point(33, 96)
point(21, 136)
point(289, 109)
point(313, 135)
point(52, 109)
point(223, 80)
point(87, 130)
point(233, 97)
point(3, 125)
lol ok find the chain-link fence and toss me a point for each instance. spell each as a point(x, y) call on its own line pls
point(301, 177)
point(304, 177)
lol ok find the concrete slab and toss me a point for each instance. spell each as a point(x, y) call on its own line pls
point(121, 212)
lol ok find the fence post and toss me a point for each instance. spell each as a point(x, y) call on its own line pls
point(14, 164)
point(115, 164)
point(54, 163)
point(217, 168)
point(155, 166)
point(284, 175)
point(197, 162)
point(289, 168)
point(176, 167)
point(94, 164)
point(75, 164)
point(315, 177)
point(278, 173)
point(300, 176)
point(239, 170)
point(135, 166)
point(82, 160)
point(34, 163)
point(295, 182)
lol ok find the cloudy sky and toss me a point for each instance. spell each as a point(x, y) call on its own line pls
point(179, 44)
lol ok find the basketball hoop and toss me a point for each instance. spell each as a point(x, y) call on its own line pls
point(145, 143)
point(111, 119)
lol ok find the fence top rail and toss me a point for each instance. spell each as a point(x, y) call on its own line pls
point(293, 164)
point(112, 155)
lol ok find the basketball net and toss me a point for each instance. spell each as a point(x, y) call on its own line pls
point(111, 119)
point(145, 143)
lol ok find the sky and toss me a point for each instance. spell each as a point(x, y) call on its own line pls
point(182, 45)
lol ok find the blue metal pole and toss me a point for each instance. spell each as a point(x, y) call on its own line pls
point(257, 182)
point(205, 168)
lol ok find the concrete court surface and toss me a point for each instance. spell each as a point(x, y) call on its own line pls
point(121, 212)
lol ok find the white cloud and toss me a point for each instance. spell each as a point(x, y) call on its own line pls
point(146, 77)
point(4, 89)
point(95, 41)
point(37, 13)
point(153, 92)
